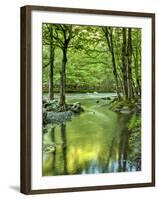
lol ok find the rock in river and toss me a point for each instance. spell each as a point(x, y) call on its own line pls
point(58, 117)
point(76, 108)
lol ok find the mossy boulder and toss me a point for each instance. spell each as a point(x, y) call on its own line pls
point(126, 106)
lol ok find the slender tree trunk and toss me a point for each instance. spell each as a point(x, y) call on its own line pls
point(63, 79)
point(51, 85)
point(115, 74)
point(66, 31)
point(138, 87)
point(51, 71)
point(118, 61)
point(129, 58)
point(124, 63)
point(109, 38)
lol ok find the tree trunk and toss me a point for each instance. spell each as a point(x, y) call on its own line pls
point(63, 79)
point(51, 71)
point(129, 58)
point(115, 74)
point(124, 64)
point(67, 35)
point(109, 38)
point(138, 87)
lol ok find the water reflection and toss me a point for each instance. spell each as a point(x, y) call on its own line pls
point(64, 147)
point(56, 159)
point(54, 152)
point(89, 144)
point(123, 148)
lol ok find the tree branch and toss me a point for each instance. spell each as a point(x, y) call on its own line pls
point(46, 65)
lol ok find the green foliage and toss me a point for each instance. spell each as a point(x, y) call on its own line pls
point(135, 122)
point(118, 105)
point(89, 62)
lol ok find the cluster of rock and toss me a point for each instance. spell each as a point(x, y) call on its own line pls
point(57, 117)
point(126, 107)
point(107, 99)
point(54, 113)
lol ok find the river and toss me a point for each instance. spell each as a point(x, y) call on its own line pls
point(96, 141)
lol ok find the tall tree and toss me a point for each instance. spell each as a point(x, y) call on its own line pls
point(63, 35)
point(137, 60)
point(108, 32)
point(124, 62)
point(48, 41)
point(51, 71)
point(129, 60)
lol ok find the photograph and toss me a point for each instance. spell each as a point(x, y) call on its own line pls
point(88, 99)
point(91, 99)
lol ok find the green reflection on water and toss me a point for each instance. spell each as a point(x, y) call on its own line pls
point(95, 141)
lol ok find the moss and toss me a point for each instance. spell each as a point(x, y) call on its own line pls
point(132, 105)
point(135, 122)
point(118, 104)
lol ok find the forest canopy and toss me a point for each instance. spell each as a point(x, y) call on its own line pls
point(79, 58)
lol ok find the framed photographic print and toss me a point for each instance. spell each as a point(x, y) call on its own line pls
point(87, 99)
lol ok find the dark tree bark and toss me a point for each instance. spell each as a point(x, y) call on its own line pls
point(129, 58)
point(51, 71)
point(124, 63)
point(136, 61)
point(63, 79)
point(108, 32)
point(67, 35)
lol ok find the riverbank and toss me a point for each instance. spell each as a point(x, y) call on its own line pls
point(56, 114)
point(131, 108)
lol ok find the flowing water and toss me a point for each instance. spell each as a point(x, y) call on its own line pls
point(96, 141)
